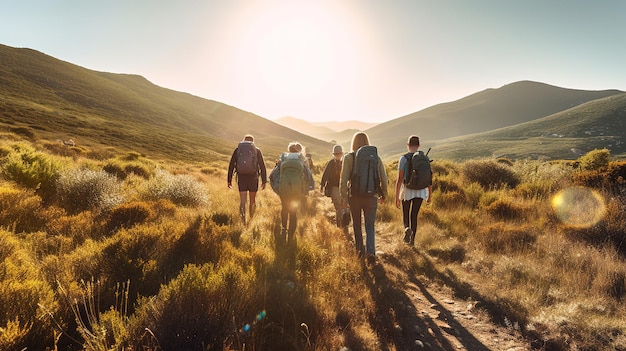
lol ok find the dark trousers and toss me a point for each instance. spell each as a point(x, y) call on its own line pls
point(410, 209)
point(288, 213)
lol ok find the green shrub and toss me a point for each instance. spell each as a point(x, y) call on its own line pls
point(128, 214)
point(122, 168)
point(180, 189)
point(32, 169)
point(204, 308)
point(595, 159)
point(27, 301)
point(490, 174)
point(19, 209)
point(83, 189)
point(505, 210)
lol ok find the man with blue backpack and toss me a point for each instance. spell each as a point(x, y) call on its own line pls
point(363, 184)
point(413, 186)
point(247, 161)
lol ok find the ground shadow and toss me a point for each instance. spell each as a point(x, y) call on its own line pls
point(398, 323)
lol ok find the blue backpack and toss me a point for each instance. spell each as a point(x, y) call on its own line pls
point(365, 180)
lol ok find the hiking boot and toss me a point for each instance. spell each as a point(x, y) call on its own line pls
point(408, 234)
point(345, 218)
point(370, 259)
point(412, 241)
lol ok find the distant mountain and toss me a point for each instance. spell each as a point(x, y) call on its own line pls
point(338, 131)
point(46, 98)
point(347, 125)
point(483, 111)
point(566, 134)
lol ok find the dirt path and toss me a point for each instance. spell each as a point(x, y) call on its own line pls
point(413, 313)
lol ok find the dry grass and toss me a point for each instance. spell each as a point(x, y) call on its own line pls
point(199, 280)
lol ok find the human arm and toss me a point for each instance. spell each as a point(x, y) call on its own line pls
point(400, 180)
point(231, 168)
point(346, 171)
point(384, 181)
point(262, 168)
point(325, 176)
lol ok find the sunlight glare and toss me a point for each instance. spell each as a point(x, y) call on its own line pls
point(579, 206)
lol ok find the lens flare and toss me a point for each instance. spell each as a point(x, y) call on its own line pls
point(579, 206)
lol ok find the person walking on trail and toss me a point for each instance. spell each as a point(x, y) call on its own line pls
point(413, 186)
point(247, 162)
point(329, 185)
point(363, 184)
point(294, 182)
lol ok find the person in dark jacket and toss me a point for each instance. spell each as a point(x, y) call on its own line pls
point(248, 183)
point(330, 183)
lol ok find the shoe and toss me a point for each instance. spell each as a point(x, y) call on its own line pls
point(408, 234)
point(370, 259)
point(345, 218)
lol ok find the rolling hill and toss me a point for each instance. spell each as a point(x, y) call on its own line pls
point(487, 110)
point(46, 99)
point(337, 131)
point(567, 134)
point(49, 99)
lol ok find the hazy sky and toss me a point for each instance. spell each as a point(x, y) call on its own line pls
point(371, 60)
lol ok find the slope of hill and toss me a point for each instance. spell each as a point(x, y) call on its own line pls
point(486, 110)
point(50, 99)
point(567, 134)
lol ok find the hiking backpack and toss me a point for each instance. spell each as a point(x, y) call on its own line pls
point(291, 181)
point(418, 174)
point(247, 158)
point(365, 180)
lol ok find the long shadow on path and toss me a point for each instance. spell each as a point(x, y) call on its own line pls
point(399, 324)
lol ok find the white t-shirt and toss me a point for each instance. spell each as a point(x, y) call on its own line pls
point(408, 194)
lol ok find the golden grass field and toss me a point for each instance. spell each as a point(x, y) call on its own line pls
point(120, 252)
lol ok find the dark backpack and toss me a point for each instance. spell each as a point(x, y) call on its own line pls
point(365, 180)
point(418, 174)
point(247, 158)
point(291, 180)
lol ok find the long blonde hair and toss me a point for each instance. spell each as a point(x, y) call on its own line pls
point(359, 139)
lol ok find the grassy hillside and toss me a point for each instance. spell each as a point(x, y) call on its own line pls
point(487, 110)
point(45, 98)
point(596, 124)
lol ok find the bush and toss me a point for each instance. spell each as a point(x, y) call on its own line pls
point(19, 210)
point(27, 301)
point(595, 160)
point(502, 239)
point(83, 189)
point(180, 189)
point(130, 164)
point(204, 308)
point(32, 169)
point(490, 174)
point(505, 210)
point(128, 215)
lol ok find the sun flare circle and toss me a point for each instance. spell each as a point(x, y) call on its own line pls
point(579, 206)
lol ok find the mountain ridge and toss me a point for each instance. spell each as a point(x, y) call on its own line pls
point(50, 99)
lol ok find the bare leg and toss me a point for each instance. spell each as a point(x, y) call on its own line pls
point(242, 206)
point(252, 203)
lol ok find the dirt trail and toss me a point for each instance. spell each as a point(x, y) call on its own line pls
point(417, 314)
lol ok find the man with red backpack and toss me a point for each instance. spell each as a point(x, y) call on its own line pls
point(247, 161)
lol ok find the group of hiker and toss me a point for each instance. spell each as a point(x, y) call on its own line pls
point(355, 181)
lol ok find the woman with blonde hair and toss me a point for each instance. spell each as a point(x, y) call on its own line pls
point(363, 184)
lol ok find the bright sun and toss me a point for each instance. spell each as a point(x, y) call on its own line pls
point(294, 53)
